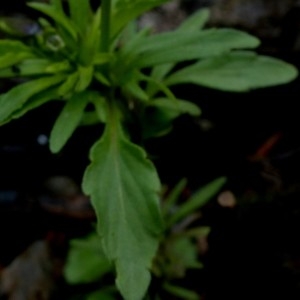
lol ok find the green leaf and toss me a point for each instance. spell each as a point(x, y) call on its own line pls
point(14, 99)
point(68, 120)
point(103, 294)
point(11, 59)
point(69, 84)
point(34, 102)
point(183, 254)
point(12, 46)
point(124, 188)
point(81, 13)
point(236, 72)
point(85, 78)
point(124, 11)
point(86, 261)
point(136, 91)
point(181, 292)
point(181, 46)
point(199, 199)
point(173, 109)
point(90, 42)
point(158, 73)
point(196, 21)
point(160, 113)
point(174, 195)
point(57, 15)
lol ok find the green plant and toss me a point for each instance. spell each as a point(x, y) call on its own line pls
point(177, 252)
point(104, 69)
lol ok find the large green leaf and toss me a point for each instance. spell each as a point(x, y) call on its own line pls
point(237, 72)
point(124, 187)
point(14, 99)
point(180, 45)
point(68, 120)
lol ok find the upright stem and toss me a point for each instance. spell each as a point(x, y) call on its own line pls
point(105, 24)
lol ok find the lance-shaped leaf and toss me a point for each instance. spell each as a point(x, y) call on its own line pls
point(199, 199)
point(81, 13)
point(34, 102)
point(124, 11)
point(236, 72)
point(68, 120)
point(124, 187)
point(180, 45)
point(14, 99)
point(57, 15)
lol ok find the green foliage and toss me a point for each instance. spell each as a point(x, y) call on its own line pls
point(177, 251)
point(100, 60)
point(89, 251)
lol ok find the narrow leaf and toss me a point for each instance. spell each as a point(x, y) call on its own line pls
point(85, 76)
point(125, 11)
point(14, 99)
point(237, 72)
point(199, 199)
point(181, 292)
point(68, 120)
point(196, 21)
point(187, 46)
point(81, 13)
point(124, 188)
point(57, 15)
point(10, 59)
point(174, 195)
point(34, 102)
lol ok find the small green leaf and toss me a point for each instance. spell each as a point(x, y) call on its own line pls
point(237, 72)
point(68, 120)
point(181, 292)
point(174, 195)
point(136, 91)
point(199, 199)
point(86, 261)
point(34, 102)
point(196, 21)
point(69, 84)
point(124, 11)
point(85, 78)
point(124, 188)
point(14, 99)
point(173, 109)
point(103, 294)
point(57, 15)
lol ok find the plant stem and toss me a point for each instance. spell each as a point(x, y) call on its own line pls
point(105, 25)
